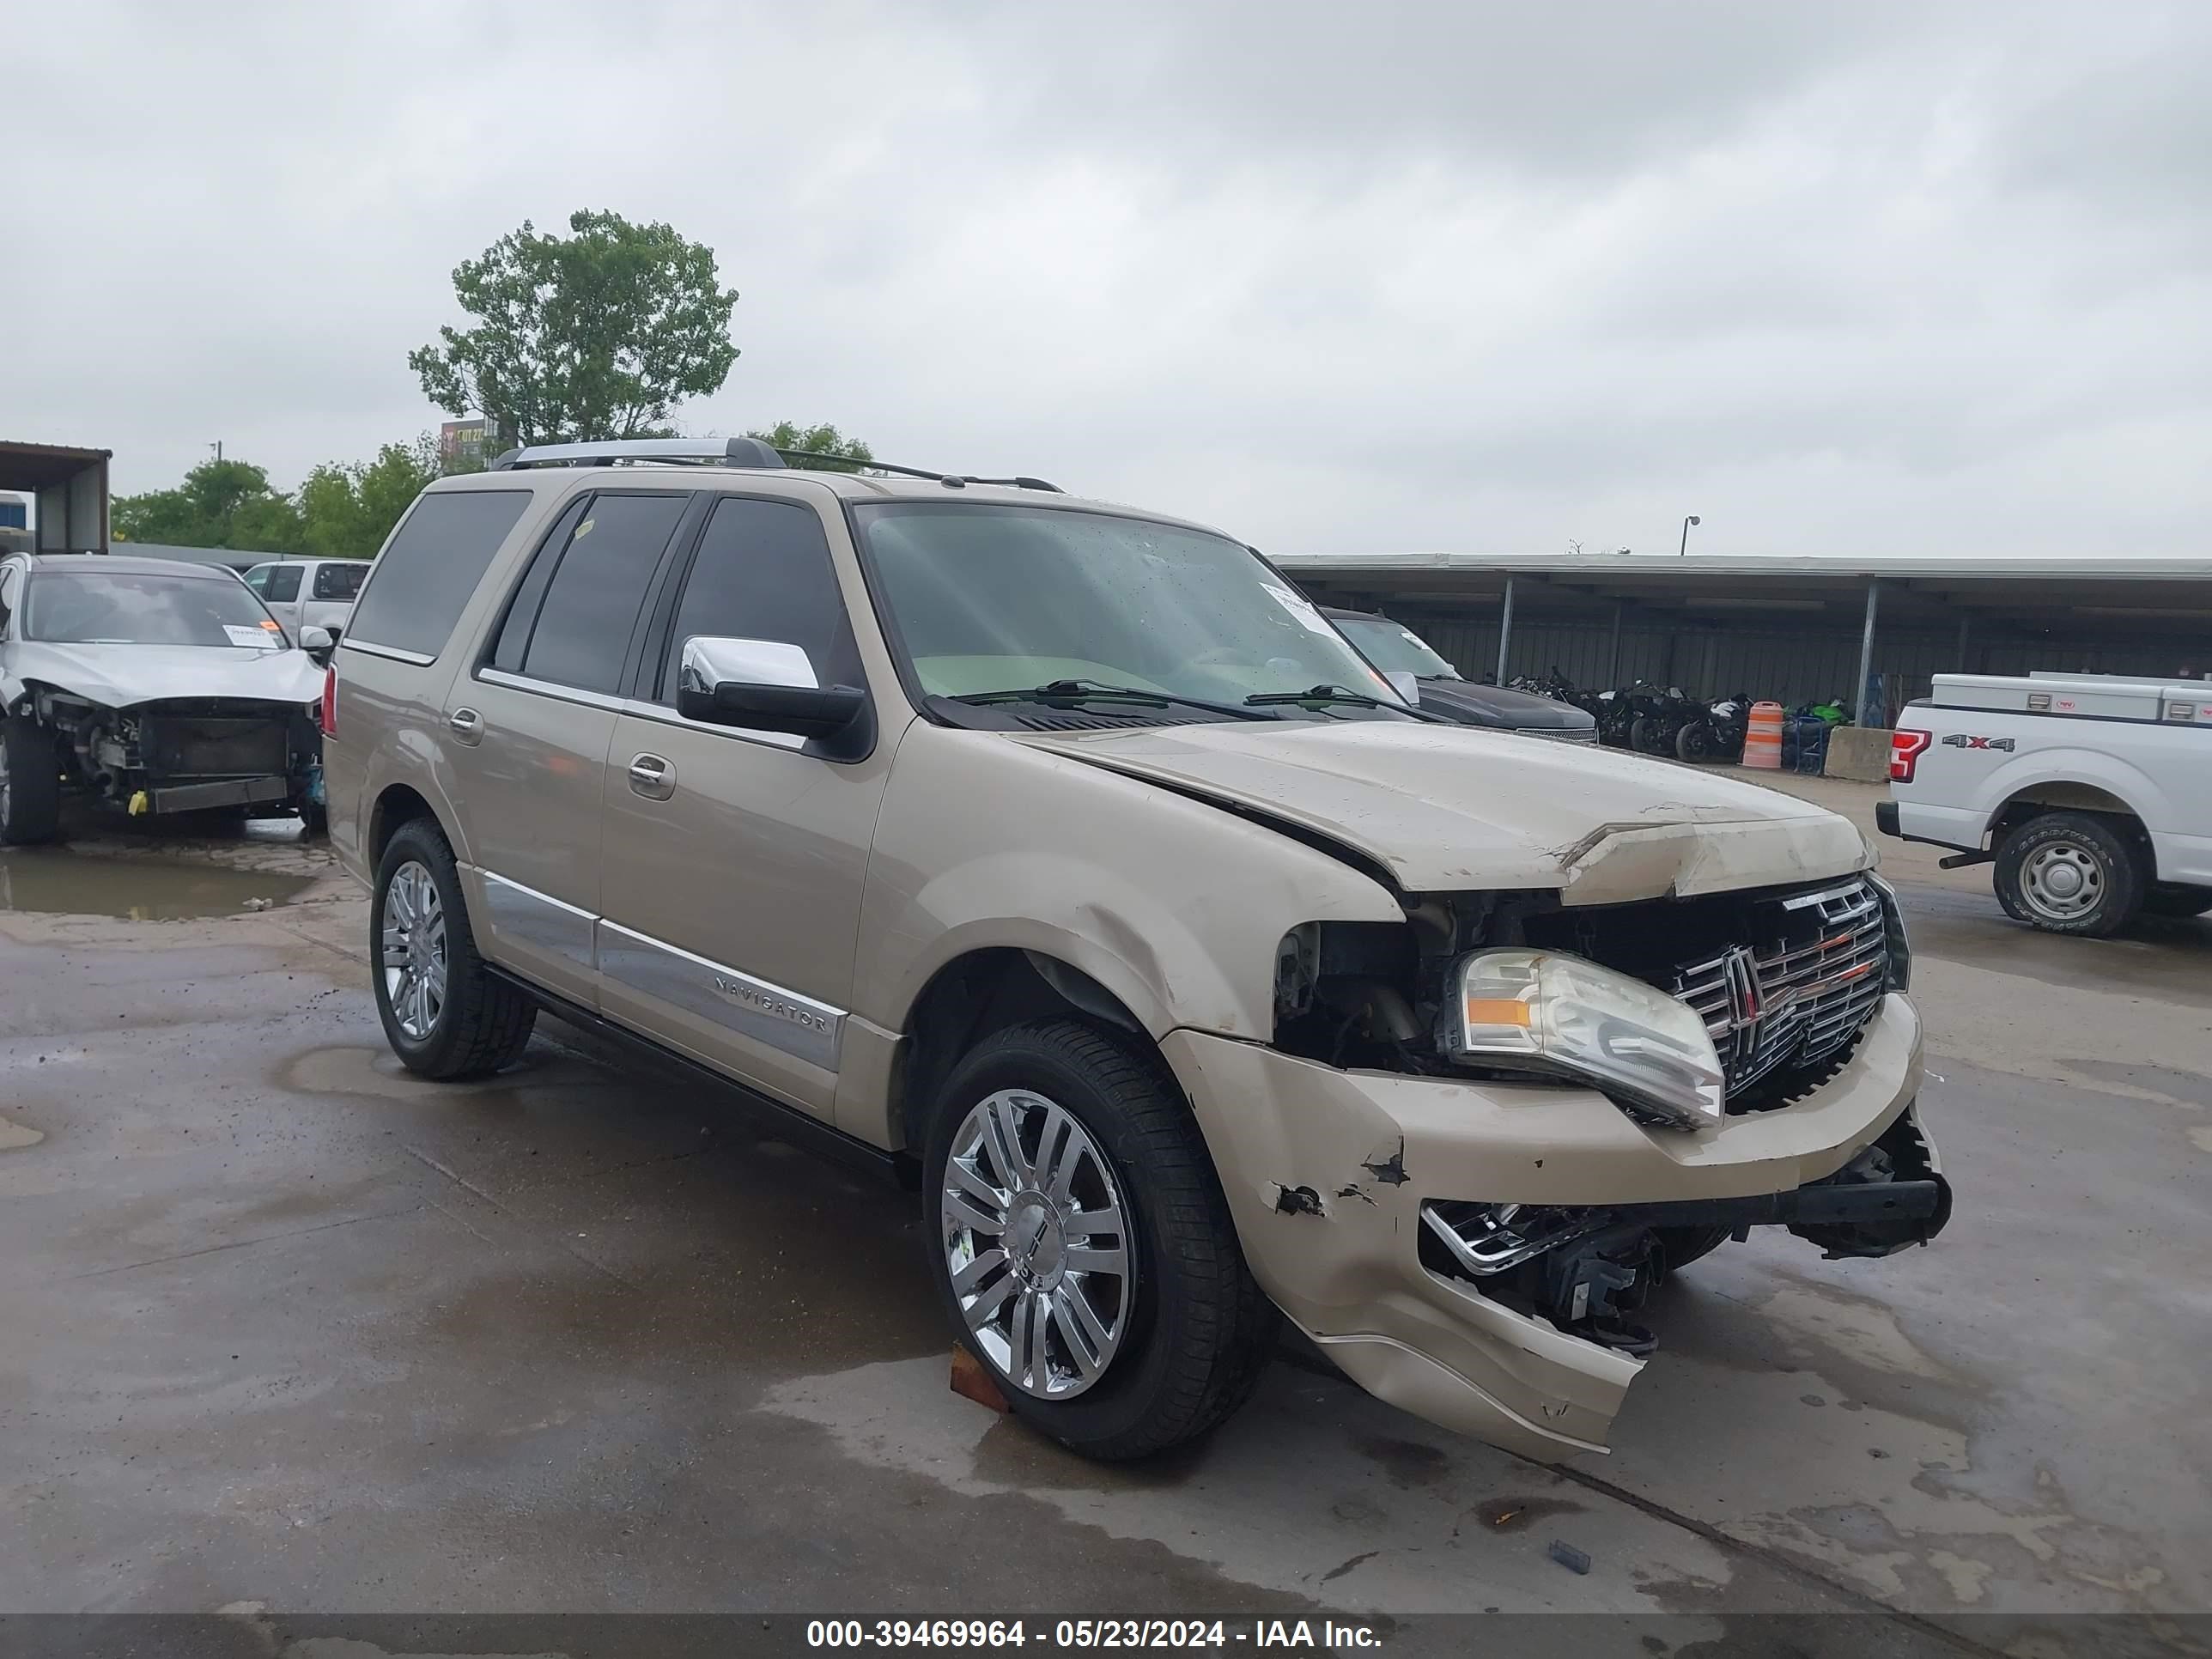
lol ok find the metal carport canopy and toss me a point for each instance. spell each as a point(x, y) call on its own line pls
point(2152, 601)
point(2165, 596)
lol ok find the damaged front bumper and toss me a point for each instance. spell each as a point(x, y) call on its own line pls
point(1351, 1190)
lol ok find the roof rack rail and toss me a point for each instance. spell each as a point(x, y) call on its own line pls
point(728, 451)
point(949, 480)
point(700, 452)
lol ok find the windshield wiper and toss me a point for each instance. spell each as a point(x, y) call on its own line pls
point(1338, 694)
point(1098, 691)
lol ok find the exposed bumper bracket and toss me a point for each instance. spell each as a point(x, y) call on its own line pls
point(227, 792)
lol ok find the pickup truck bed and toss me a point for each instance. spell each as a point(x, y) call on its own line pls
point(2090, 794)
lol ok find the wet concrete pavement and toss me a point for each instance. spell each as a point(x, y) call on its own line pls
point(279, 1324)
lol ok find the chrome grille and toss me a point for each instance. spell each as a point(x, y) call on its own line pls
point(1800, 992)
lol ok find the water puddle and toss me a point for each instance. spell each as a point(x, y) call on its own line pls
point(54, 881)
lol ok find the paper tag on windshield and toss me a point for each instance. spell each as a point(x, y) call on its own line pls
point(253, 638)
point(1300, 607)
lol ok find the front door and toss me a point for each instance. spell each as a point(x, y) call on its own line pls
point(734, 859)
point(527, 734)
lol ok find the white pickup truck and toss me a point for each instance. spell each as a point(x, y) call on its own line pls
point(2092, 793)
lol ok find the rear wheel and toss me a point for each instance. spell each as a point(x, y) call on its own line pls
point(2070, 873)
point(1697, 742)
point(30, 783)
point(444, 1013)
point(1647, 736)
point(1082, 1246)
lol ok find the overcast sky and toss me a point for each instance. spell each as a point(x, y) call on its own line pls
point(1337, 277)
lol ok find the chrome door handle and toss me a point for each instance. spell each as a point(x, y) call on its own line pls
point(467, 725)
point(652, 777)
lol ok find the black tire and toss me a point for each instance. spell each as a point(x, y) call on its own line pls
point(1697, 742)
point(315, 821)
point(1199, 1330)
point(484, 1022)
point(1680, 1246)
point(1646, 737)
point(31, 789)
point(2171, 899)
point(2101, 855)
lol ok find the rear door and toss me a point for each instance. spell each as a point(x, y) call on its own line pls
point(279, 588)
point(733, 859)
point(527, 729)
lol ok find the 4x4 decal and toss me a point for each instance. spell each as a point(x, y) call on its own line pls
point(1960, 740)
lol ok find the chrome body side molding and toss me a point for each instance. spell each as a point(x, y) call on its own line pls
point(783, 1020)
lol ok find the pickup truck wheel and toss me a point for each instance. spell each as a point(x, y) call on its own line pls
point(30, 783)
point(2069, 873)
point(2171, 899)
point(1081, 1244)
point(444, 1013)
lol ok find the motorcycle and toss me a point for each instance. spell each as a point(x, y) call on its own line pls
point(1716, 735)
point(1660, 719)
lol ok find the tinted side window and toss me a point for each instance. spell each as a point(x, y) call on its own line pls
point(764, 572)
point(424, 578)
point(522, 610)
point(258, 578)
point(583, 626)
point(338, 581)
point(283, 584)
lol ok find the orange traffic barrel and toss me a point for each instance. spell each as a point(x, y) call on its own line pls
point(1762, 739)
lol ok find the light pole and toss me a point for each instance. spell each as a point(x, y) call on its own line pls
point(1687, 523)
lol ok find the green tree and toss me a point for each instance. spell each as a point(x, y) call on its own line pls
point(598, 334)
point(348, 508)
point(219, 504)
point(823, 440)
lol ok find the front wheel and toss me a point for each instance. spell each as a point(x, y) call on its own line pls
point(30, 782)
point(1697, 742)
point(444, 1013)
point(1081, 1244)
point(2069, 873)
point(1647, 736)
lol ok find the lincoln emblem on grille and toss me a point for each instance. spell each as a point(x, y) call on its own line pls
point(1740, 968)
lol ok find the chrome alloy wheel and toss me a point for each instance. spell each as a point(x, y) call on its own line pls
point(411, 954)
point(1037, 1245)
point(2062, 881)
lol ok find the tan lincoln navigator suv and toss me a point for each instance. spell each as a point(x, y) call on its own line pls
point(1064, 856)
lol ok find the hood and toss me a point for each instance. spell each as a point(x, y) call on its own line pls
point(1472, 704)
point(117, 676)
point(1450, 808)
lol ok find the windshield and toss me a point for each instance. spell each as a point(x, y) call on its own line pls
point(1394, 648)
point(992, 599)
point(86, 607)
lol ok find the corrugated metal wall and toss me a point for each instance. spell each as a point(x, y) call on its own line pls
point(1791, 667)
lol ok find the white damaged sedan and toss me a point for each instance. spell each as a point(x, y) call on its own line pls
point(152, 686)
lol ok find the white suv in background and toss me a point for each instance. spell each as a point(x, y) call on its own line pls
point(309, 593)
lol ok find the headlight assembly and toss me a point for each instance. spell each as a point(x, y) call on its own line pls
point(1545, 1010)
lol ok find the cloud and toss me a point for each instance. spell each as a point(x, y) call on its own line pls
point(1481, 277)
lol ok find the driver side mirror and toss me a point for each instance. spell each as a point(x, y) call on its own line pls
point(769, 685)
point(317, 643)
